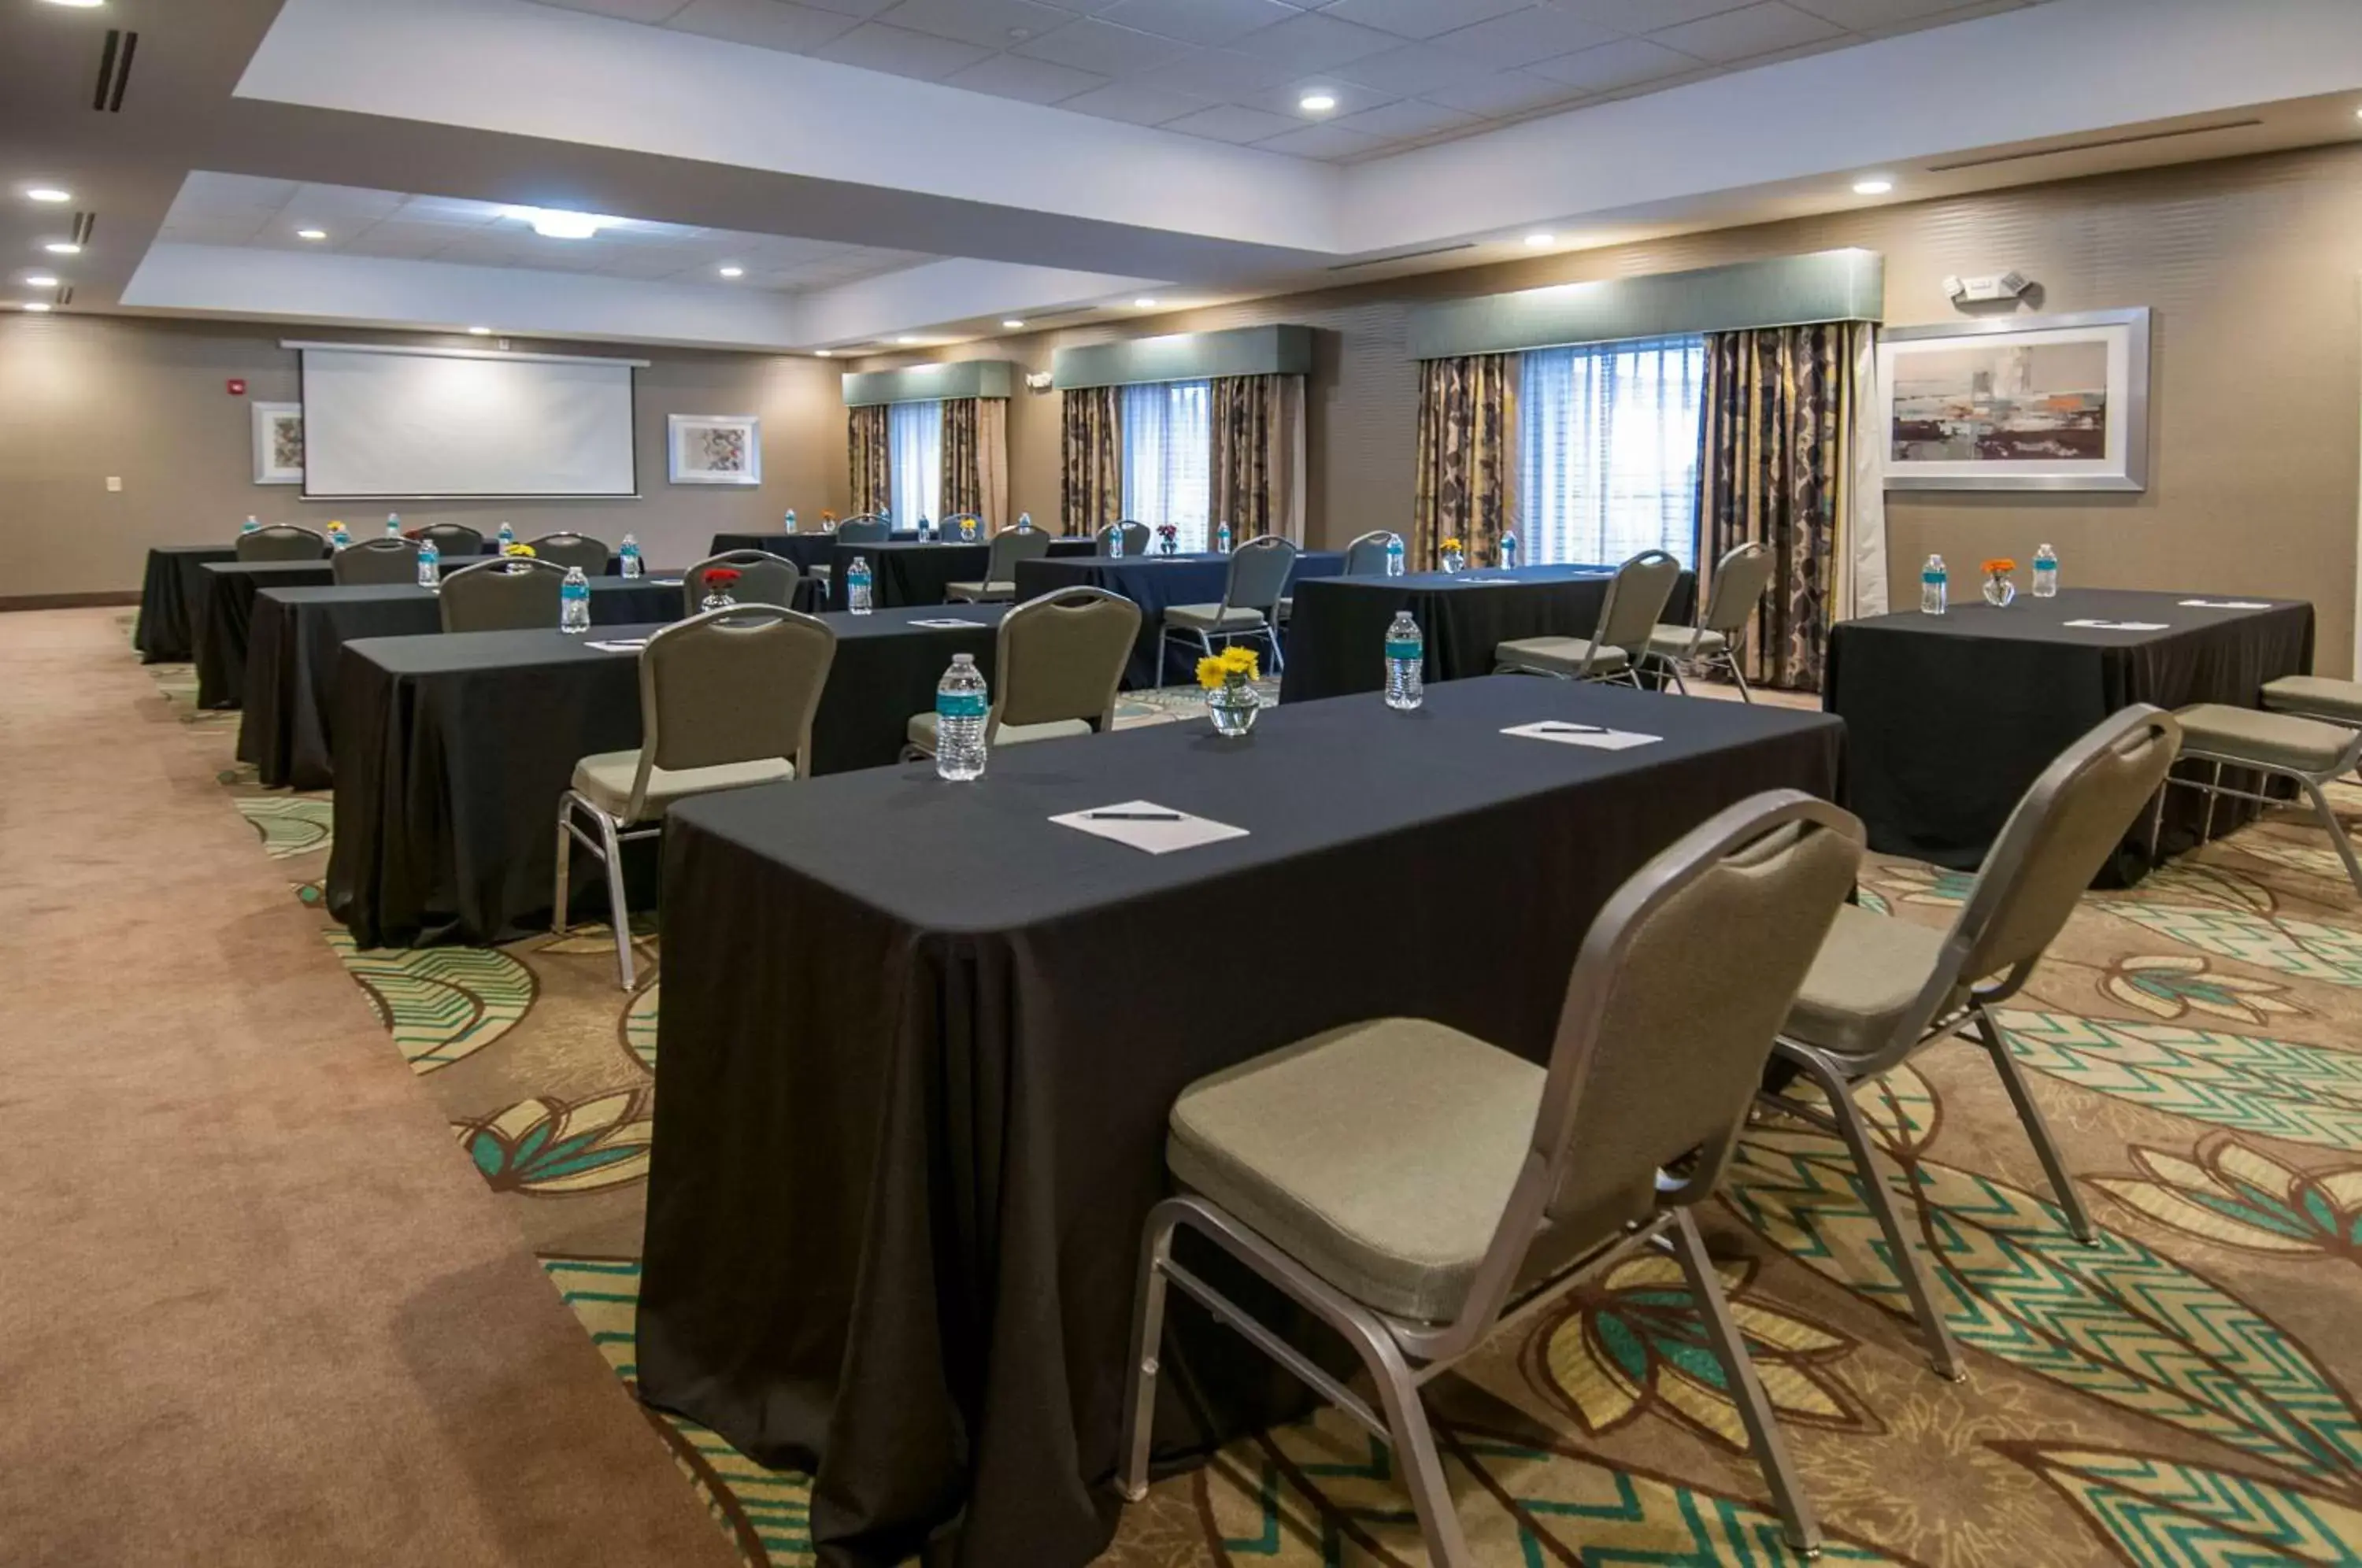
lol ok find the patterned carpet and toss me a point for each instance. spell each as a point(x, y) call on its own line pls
point(2178, 1394)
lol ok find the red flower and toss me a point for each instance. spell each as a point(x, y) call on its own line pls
point(721, 576)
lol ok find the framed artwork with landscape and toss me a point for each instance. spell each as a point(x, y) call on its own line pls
point(715, 448)
point(2057, 402)
point(278, 443)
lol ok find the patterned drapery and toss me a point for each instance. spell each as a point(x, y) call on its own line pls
point(869, 455)
point(1258, 458)
point(1090, 472)
point(1776, 467)
point(1465, 478)
point(963, 483)
point(992, 461)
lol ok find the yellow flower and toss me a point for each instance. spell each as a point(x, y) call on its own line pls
point(1211, 673)
point(526, 550)
point(1451, 544)
point(1242, 661)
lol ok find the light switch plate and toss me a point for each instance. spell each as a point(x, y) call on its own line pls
point(114, 483)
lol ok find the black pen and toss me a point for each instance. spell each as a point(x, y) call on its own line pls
point(1572, 729)
point(1133, 816)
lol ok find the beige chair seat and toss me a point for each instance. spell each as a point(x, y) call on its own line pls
point(2273, 740)
point(976, 591)
point(2318, 694)
point(1862, 981)
point(922, 732)
point(1559, 656)
point(1211, 617)
point(1685, 642)
point(605, 780)
point(1381, 1156)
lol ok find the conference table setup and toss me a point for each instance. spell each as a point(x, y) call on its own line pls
point(920, 571)
point(1156, 581)
point(169, 586)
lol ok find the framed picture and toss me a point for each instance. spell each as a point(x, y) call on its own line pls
point(279, 443)
point(2055, 402)
point(715, 448)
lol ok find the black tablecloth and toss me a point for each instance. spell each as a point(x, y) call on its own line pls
point(295, 634)
point(1152, 582)
point(1952, 716)
point(164, 633)
point(806, 549)
point(1336, 639)
point(905, 572)
point(912, 1101)
point(450, 753)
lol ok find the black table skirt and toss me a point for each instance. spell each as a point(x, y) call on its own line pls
point(1952, 717)
point(806, 549)
point(450, 753)
point(164, 633)
point(906, 573)
point(1153, 582)
point(295, 634)
point(911, 1105)
point(1336, 639)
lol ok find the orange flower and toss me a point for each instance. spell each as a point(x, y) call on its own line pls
point(1998, 564)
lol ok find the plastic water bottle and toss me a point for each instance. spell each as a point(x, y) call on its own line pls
point(856, 586)
point(1406, 664)
point(252, 526)
point(1394, 555)
point(574, 602)
point(1115, 543)
point(1025, 520)
point(507, 535)
point(1932, 587)
point(1222, 540)
point(791, 522)
point(393, 525)
point(630, 552)
point(925, 528)
point(2046, 573)
point(430, 566)
point(1508, 551)
point(961, 703)
point(337, 537)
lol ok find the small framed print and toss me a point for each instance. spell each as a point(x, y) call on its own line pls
point(715, 448)
point(278, 443)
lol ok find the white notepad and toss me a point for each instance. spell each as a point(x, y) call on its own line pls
point(948, 624)
point(1157, 835)
point(626, 645)
point(1596, 736)
point(2123, 625)
point(2226, 603)
point(661, 582)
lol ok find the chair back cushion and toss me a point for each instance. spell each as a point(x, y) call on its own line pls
point(1062, 656)
point(453, 540)
point(572, 549)
point(735, 685)
point(1636, 600)
point(1259, 573)
point(281, 542)
point(1011, 546)
point(1739, 579)
point(516, 594)
point(1366, 557)
point(762, 579)
point(863, 531)
point(380, 560)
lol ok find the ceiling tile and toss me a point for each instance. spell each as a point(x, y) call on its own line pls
point(1948, 15)
point(1643, 15)
point(1412, 69)
point(1421, 19)
point(1523, 36)
point(1136, 104)
point(1864, 14)
point(1402, 121)
point(1737, 35)
point(874, 47)
point(1667, 84)
point(1287, 98)
point(625, 10)
point(1016, 76)
point(1218, 73)
point(1506, 93)
point(765, 24)
point(987, 24)
point(1093, 45)
point(854, 7)
point(1203, 21)
point(1321, 141)
point(1229, 122)
point(1626, 64)
point(1314, 42)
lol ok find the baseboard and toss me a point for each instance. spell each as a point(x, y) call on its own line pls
point(68, 600)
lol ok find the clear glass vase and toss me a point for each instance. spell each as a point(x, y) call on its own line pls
point(1999, 590)
point(1454, 560)
point(1233, 707)
point(718, 599)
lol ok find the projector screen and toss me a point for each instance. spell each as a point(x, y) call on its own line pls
point(411, 424)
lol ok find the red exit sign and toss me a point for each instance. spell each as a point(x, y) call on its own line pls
point(237, 385)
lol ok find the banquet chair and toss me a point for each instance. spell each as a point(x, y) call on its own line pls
point(1884, 990)
point(513, 594)
point(1058, 660)
point(378, 561)
point(573, 550)
point(452, 539)
point(863, 531)
point(1413, 1187)
point(726, 701)
point(1718, 639)
point(1000, 585)
point(281, 542)
point(1250, 606)
point(2307, 752)
point(1136, 538)
point(1366, 557)
point(762, 579)
point(950, 527)
point(2319, 697)
point(1636, 597)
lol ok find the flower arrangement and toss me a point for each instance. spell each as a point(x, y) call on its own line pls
point(719, 582)
point(521, 552)
point(1234, 666)
point(1454, 555)
point(1229, 701)
point(1169, 537)
point(722, 576)
point(1999, 588)
point(1451, 545)
point(2000, 566)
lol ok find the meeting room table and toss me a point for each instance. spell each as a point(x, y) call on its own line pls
point(163, 633)
point(808, 549)
point(449, 753)
point(920, 1041)
point(1336, 637)
point(1153, 581)
point(295, 635)
point(1951, 717)
point(910, 572)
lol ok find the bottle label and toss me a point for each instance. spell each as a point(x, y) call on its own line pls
point(1931, 577)
point(961, 704)
point(1403, 650)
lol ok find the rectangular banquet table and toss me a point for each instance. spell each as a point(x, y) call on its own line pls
point(1152, 582)
point(919, 1042)
point(1951, 717)
point(450, 753)
point(913, 572)
point(1336, 638)
point(295, 635)
point(164, 633)
point(807, 550)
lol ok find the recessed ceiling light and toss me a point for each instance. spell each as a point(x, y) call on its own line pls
point(732, 272)
point(48, 194)
point(80, 5)
point(905, 340)
point(823, 353)
point(1013, 324)
point(1143, 304)
point(63, 248)
point(1539, 241)
point(1872, 187)
point(551, 224)
point(311, 233)
point(36, 306)
point(479, 332)
point(40, 280)
point(1316, 103)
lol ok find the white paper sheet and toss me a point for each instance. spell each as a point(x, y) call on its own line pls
point(628, 645)
point(661, 582)
point(2226, 603)
point(949, 624)
point(1157, 837)
point(2123, 625)
point(1596, 737)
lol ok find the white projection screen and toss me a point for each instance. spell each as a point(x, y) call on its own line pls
point(413, 423)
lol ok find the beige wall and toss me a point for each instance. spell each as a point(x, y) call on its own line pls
point(82, 398)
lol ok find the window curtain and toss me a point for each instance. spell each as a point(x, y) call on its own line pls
point(962, 483)
point(1463, 484)
point(1168, 444)
point(1779, 466)
point(1258, 456)
point(992, 461)
point(867, 448)
point(1608, 450)
point(915, 432)
point(1090, 469)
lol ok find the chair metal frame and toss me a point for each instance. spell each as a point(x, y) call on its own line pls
point(344, 567)
point(1402, 1355)
point(289, 532)
point(1732, 630)
point(1024, 539)
point(1017, 614)
point(439, 532)
point(523, 566)
point(2312, 784)
point(1950, 1002)
point(1372, 545)
point(1137, 536)
point(866, 529)
point(565, 538)
point(1267, 624)
point(693, 579)
point(1629, 674)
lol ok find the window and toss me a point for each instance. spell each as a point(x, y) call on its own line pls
point(1168, 457)
point(1609, 450)
point(914, 453)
